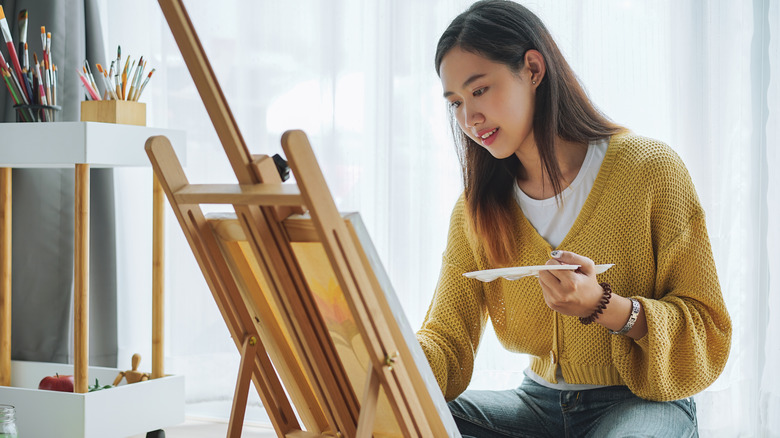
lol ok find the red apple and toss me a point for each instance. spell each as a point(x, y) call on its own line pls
point(57, 382)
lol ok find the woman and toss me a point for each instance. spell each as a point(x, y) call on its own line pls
point(550, 180)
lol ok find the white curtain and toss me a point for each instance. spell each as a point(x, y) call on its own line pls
point(358, 77)
point(767, 380)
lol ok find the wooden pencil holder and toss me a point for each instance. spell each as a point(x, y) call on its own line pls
point(114, 111)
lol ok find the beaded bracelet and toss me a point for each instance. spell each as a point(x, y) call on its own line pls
point(602, 304)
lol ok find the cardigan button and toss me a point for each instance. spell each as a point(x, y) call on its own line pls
point(552, 357)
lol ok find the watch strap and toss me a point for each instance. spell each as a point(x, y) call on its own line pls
point(631, 318)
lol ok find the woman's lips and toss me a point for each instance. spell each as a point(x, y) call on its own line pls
point(489, 137)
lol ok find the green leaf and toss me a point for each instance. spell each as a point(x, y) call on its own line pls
point(97, 387)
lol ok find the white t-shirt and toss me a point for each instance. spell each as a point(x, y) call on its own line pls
point(553, 221)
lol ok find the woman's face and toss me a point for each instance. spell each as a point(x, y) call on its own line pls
point(492, 105)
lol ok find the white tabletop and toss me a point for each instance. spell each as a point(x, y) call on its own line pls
point(63, 144)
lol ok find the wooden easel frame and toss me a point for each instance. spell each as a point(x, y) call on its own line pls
point(305, 363)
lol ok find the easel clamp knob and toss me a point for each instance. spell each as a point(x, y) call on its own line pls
point(390, 360)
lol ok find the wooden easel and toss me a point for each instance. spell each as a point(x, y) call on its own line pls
point(263, 286)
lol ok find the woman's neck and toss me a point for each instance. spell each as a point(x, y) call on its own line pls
point(536, 182)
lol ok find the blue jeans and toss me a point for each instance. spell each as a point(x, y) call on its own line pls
point(533, 410)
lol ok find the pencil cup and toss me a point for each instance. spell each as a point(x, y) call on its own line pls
point(114, 111)
point(37, 113)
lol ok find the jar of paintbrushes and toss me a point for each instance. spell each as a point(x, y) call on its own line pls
point(33, 88)
point(122, 86)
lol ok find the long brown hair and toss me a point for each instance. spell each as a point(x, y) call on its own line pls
point(503, 31)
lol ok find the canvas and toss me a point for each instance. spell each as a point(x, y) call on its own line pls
point(332, 304)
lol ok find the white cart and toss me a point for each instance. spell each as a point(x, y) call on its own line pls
point(118, 412)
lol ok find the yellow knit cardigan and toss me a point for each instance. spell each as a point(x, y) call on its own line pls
point(644, 216)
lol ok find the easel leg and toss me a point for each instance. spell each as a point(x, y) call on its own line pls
point(368, 407)
point(248, 351)
point(81, 279)
point(5, 276)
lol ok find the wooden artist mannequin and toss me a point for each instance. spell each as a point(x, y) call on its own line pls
point(132, 376)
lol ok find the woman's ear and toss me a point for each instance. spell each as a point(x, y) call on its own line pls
point(534, 62)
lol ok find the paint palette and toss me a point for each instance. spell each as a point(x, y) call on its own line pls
point(518, 272)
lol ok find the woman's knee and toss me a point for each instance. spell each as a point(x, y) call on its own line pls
point(643, 418)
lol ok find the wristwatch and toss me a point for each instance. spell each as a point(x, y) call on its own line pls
point(631, 319)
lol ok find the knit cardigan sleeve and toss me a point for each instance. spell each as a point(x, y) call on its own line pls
point(689, 329)
point(457, 315)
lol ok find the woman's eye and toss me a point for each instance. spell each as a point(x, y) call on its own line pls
point(480, 91)
point(455, 104)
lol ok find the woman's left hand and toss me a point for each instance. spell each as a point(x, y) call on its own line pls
point(574, 293)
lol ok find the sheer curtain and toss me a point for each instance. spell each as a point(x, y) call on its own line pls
point(768, 383)
point(358, 78)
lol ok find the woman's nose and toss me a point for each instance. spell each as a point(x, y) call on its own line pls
point(473, 117)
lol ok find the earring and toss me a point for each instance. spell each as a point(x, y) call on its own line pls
point(533, 82)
